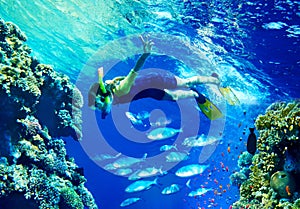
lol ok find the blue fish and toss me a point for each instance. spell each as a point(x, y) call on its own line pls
point(133, 119)
point(176, 157)
point(199, 192)
point(123, 171)
point(150, 171)
point(191, 170)
point(126, 162)
point(162, 133)
point(162, 121)
point(199, 141)
point(134, 176)
point(102, 157)
point(173, 188)
point(129, 201)
point(168, 147)
point(140, 185)
point(137, 119)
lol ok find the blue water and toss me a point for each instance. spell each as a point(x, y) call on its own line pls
point(253, 46)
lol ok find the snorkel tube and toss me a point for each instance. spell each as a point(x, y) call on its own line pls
point(107, 99)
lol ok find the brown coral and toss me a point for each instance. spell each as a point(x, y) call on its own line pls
point(278, 135)
point(39, 106)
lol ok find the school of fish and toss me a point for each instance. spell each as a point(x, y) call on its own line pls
point(145, 177)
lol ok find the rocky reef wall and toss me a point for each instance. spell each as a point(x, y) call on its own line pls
point(270, 178)
point(38, 107)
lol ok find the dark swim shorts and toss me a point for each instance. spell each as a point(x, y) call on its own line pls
point(149, 85)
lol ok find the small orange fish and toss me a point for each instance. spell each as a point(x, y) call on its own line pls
point(228, 149)
point(288, 191)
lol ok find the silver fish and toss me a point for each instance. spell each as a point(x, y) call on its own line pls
point(162, 133)
point(199, 141)
point(168, 147)
point(110, 167)
point(142, 115)
point(162, 121)
point(103, 157)
point(173, 188)
point(151, 171)
point(129, 201)
point(173, 157)
point(137, 119)
point(134, 176)
point(133, 118)
point(123, 171)
point(191, 170)
point(125, 162)
point(140, 185)
point(199, 192)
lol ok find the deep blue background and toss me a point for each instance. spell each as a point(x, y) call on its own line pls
point(270, 57)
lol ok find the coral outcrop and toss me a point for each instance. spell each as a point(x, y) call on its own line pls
point(38, 107)
point(274, 171)
point(283, 183)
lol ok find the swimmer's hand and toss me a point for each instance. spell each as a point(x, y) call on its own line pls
point(147, 44)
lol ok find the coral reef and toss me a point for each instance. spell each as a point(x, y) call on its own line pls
point(238, 177)
point(274, 171)
point(283, 183)
point(38, 107)
point(31, 88)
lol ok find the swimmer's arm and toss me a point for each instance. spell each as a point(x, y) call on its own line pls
point(139, 64)
point(147, 47)
point(125, 85)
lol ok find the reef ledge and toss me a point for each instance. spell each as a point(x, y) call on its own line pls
point(270, 178)
point(38, 108)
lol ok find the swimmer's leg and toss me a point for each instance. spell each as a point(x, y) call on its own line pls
point(195, 80)
point(179, 94)
point(166, 94)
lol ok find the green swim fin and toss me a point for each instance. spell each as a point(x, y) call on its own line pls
point(207, 107)
point(210, 110)
point(229, 95)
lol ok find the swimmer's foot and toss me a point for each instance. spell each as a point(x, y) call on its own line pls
point(198, 96)
point(216, 78)
point(207, 107)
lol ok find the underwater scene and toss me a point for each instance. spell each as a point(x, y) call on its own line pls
point(153, 104)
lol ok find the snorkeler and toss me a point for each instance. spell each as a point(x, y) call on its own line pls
point(156, 85)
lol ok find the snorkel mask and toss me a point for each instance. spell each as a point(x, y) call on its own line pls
point(105, 99)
